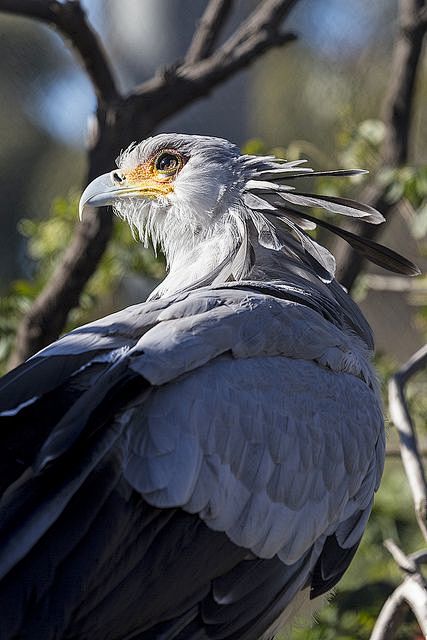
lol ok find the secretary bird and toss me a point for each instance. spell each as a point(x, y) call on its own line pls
point(201, 465)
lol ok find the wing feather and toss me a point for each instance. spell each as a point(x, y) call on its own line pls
point(281, 498)
point(273, 438)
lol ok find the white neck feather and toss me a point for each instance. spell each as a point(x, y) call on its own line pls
point(199, 250)
point(199, 256)
point(227, 246)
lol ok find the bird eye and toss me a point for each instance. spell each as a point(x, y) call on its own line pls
point(167, 162)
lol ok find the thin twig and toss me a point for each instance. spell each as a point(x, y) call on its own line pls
point(395, 453)
point(410, 454)
point(397, 115)
point(208, 30)
point(411, 592)
point(404, 562)
point(163, 96)
point(419, 557)
point(377, 282)
point(267, 18)
point(69, 18)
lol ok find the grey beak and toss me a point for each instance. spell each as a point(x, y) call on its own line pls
point(99, 193)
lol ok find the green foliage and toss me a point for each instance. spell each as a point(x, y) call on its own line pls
point(12, 308)
point(47, 240)
point(359, 144)
point(409, 183)
point(255, 146)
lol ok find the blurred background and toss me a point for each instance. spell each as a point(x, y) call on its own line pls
point(318, 98)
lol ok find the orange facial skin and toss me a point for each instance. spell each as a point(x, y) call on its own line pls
point(152, 181)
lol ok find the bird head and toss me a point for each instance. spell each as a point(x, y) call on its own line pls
point(211, 209)
point(195, 176)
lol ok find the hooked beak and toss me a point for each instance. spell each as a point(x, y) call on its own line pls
point(104, 190)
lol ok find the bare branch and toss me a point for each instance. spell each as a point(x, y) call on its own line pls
point(377, 282)
point(267, 18)
point(48, 315)
point(419, 557)
point(209, 29)
point(395, 453)
point(416, 363)
point(411, 592)
point(69, 18)
point(397, 112)
point(404, 562)
point(163, 96)
point(398, 103)
point(410, 454)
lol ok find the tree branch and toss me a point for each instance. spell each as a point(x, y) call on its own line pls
point(411, 592)
point(267, 18)
point(120, 120)
point(397, 112)
point(377, 282)
point(208, 30)
point(410, 454)
point(404, 562)
point(399, 99)
point(48, 315)
point(165, 95)
point(69, 18)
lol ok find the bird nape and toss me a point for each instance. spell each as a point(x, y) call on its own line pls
point(201, 465)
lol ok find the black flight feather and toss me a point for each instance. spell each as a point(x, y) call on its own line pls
point(371, 250)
